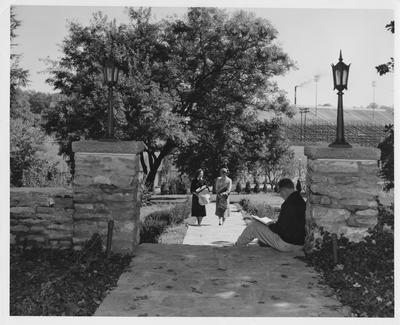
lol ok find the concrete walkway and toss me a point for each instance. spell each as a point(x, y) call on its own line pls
point(210, 233)
point(202, 279)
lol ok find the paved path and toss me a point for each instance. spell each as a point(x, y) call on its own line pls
point(186, 280)
point(210, 233)
point(202, 279)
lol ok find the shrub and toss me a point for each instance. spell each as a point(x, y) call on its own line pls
point(298, 186)
point(248, 188)
point(164, 188)
point(157, 222)
point(153, 226)
point(172, 188)
point(387, 157)
point(238, 188)
point(364, 276)
point(34, 159)
point(265, 188)
point(145, 198)
point(51, 282)
point(176, 185)
point(261, 210)
point(257, 188)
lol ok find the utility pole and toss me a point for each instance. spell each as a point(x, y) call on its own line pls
point(303, 110)
point(373, 99)
point(316, 79)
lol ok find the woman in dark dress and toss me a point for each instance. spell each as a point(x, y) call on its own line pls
point(198, 184)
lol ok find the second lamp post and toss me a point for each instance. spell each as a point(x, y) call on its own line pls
point(340, 78)
point(110, 73)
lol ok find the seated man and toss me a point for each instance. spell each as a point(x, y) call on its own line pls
point(288, 232)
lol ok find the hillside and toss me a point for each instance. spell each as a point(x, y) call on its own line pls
point(353, 116)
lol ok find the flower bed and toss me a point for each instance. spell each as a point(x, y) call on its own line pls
point(364, 276)
point(49, 282)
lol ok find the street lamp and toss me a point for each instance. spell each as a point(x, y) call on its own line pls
point(340, 77)
point(110, 74)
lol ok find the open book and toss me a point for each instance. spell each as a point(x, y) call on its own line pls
point(265, 220)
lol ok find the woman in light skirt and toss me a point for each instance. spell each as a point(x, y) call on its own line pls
point(223, 187)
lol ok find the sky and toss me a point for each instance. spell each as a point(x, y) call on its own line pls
point(311, 37)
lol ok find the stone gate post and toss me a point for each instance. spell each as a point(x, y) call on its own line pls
point(106, 187)
point(343, 186)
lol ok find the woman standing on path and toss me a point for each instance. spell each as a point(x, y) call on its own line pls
point(198, 185)
point(223, 187)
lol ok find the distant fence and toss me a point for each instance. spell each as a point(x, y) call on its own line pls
point(362, 134)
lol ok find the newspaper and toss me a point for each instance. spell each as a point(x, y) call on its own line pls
point(265, 220)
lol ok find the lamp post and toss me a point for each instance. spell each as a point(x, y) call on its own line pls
point(340, 77)
point(110, 74)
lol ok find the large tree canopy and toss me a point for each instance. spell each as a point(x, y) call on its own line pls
point(187, 83)
point(18, 75)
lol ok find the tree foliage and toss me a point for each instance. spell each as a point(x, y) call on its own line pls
point(387, 145)
point(268, 151)
point(18, 76)
point(387, 157)
point(187, 83)
point(388, 66)
point(25, 141)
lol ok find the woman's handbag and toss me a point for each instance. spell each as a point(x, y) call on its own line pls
point(204, 196)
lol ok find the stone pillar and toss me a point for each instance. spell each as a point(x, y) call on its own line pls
point(343, 186)
point(106, 187)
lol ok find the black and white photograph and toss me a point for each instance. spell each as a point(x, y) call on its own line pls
point(199, 159)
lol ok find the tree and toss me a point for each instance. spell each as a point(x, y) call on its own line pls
point(247, 189)
point(238, 189)
point(229, 82)
point(298, 186)
point(372, 105)
point(268, 151)
point(144, 110)
point(184, 79)
point(18, 76)
point(388, 66)
point(387, 145)
point(25, 141)
point(40, 102)
point(387, 157)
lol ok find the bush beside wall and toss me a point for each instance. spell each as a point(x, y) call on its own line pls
point(157, 222)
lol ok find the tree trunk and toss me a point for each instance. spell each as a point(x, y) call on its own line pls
point(151, 176)
point(143, 163)
point(155, 163)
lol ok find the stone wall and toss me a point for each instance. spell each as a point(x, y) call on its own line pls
point(106, 187)
point(343, 186)
point(41, 216)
